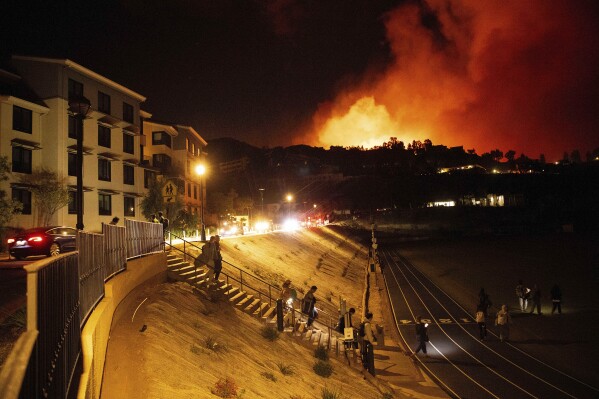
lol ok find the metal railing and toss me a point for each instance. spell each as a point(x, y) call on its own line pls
point(115, 249)
point(254, 285)
point(143, 238)
point(91, 271)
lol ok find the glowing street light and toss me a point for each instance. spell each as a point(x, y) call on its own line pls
point(289, 199)
point(200, 170)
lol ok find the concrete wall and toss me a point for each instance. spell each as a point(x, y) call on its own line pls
point(95, 334)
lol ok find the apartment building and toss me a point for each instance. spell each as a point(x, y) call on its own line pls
point(40, 131)
point(173, 152)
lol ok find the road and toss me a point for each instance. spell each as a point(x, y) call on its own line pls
point(461, 363)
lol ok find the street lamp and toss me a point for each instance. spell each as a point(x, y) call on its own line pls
point(262, 199)
point(289, 199)
point(201, 171)
point(79, 107)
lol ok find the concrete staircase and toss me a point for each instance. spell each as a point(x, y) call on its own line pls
point(199, 277)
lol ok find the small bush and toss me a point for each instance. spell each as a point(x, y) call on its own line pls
point(321, 353)
point(269, 333)
point(323, 369)
point(211, 344)
point(387, 395)
point(225, 388)
point(269, 376)
point(330, 394)
point(195, 350)
point(286, 369)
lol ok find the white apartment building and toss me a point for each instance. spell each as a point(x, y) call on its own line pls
point(35, 135)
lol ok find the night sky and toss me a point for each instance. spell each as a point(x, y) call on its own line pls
point(507, 74)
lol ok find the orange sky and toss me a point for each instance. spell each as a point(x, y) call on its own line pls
point(510, 74)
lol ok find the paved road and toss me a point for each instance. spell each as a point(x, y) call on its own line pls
point(459, 361)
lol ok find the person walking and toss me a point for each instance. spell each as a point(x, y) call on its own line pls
point(503, 321)
point(484, 302)
point(422, 335)
point(287, 296)
point(308, 305)
point(556, 299)
point(522, 293)
point(217, 258)
point(340, 327)
point(367, 348)
point(535, 296)
point(481, 321)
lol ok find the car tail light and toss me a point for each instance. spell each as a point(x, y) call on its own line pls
point(10, 241)
point(36, 239)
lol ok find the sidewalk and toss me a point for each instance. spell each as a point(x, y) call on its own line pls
point(391, 363)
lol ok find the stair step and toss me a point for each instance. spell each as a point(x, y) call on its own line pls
point(269, 313)
point(245, 301)
point(253, 305)
point(232, 291)
point(237, 297)
point(261, 310)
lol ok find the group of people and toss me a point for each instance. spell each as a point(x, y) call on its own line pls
point(526, 295)
point(363, 335)
point(212, 257)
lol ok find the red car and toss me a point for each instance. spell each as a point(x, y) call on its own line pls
point(49, 241)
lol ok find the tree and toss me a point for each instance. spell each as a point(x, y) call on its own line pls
point(8, 207)
point(510, 155)
point(575, 156)
point(243, 203)
point(50, 193)
point(496, 155)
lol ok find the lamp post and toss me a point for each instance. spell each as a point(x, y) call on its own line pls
point(201, 171)
point(79, 107)
point(262, 200)
point(289, 199)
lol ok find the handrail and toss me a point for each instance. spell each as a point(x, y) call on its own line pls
point(270, 287)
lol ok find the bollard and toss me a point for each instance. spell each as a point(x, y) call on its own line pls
point(380, 335)
point(280, 315)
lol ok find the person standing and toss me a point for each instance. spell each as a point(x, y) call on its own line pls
point(522, 293)
point(556, 299)
point(308, 305)
point(368, 349)
point(216, 258)
point(340, 327)
point(481, 321)
point(114, 221)
point(484, 302)
point(503, 321)
point(422, 335)
point(535, 295)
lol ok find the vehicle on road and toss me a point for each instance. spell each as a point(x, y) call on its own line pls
point(49, 241)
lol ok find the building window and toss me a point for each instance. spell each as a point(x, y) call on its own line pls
point(21, 119)
point(72, 127)
point(24, 197)
point(103, 169)
point(128, 174)
point(128, 143)
point(159, 138)
point(103, 102)
point(72, 164)
point(21, 159)
point(105, 204)
point(75, 89)
point(73, 203)
point(128, 112)
point(161, 160)
point(129, 206)
point(189, 190)
point(195, 192)
point(149, 176)
point(103, 136)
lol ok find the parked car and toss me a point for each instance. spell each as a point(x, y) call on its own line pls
point(50, 241)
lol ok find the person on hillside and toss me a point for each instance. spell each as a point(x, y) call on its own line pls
point(340, 327)
point(216, 257)
point(287, 296)
point(422, 335)
point(367, 348)
point(481, 321)
point(114, 221)
point(484, 302)
point(503, 321)
point(522, 293)
point(535, 296)
point(556, 299)
point(308, 305)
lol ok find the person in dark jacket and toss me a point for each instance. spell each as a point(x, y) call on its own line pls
point(535, 296)
point(484, 302)
point(556, 298)
point(422, 335)
point(308, 305)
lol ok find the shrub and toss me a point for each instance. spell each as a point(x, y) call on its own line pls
point(225, 388)
point(195, 350)
point(387, 395)
point(321, 353)
point(330, 394)
point(323, 369)
point(269, 376)
point(211, 344)
point(269, 333)
point(286, 369)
